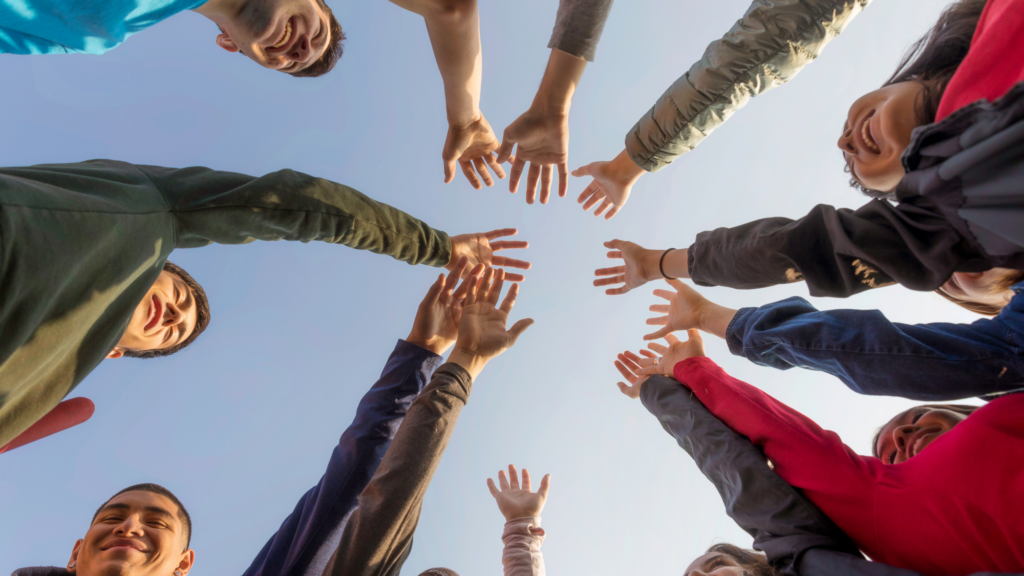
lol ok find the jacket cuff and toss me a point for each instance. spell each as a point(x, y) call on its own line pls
point(682, 369)
point(525, 526)
point(734, 332)
point(413, 352)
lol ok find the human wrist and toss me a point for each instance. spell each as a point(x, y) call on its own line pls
point(715, 319)
point(434, 344)
point(623, 170)
point(554, 96)
point(651, 262)
point(470, 361)
point(675, 264)
point(464, 118)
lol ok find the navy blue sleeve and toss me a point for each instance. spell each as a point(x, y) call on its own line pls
point(308, 536)
point(871, 355)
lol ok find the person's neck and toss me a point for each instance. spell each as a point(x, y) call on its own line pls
point(218, 9)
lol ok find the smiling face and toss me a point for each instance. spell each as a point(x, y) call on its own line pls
point(714, 564)
point(908, 434)
point(137, 533)
point(283, 35)
point(877, 131)
point(164, 318)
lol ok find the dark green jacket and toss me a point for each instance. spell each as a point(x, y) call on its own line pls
point(81, 244)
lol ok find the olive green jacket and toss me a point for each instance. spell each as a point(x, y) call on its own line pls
point(766, 48)
point(81, 244)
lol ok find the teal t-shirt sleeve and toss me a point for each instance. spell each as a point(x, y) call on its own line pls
point(14, 42)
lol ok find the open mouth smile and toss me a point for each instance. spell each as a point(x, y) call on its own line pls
point(865, 134)
point(155, 312)
point(287, 35)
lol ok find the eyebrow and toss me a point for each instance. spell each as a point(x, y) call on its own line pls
point(125, 507)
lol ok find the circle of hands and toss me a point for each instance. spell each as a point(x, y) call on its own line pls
point(542, 141)
point(515, 501)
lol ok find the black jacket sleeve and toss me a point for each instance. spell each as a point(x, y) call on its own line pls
point(783, 523)
point(838, 252)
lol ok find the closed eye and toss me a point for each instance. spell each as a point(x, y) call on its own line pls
point(917, 416)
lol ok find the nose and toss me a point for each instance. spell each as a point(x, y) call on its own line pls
point(129, 527)
point(172, 315)
point(846, 140)
point(901, 435)
point(302, 51)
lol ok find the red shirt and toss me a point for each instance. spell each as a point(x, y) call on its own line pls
point(954, 509)
point(995, 61)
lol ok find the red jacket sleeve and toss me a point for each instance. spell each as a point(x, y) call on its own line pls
point(829, 473)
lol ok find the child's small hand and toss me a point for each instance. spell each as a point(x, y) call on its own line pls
point(516, 502)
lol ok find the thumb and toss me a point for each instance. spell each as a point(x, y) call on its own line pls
point(545, 485)
point(679, 285)
point(583, 170)
point(505, 152)
point(520, 327)
point(450, 155)
point(693, 335)
point(664, 332)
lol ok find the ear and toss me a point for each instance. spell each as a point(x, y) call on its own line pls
point(74, 555)
point(115, 353)
point(187, 559)
point(225, 42)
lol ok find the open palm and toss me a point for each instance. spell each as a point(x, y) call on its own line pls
point(515, 501)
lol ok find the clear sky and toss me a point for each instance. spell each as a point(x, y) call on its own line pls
point(242, 424)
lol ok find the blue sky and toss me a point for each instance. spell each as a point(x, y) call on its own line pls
point(242, 424)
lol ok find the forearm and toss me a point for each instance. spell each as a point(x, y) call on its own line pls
point(562, 75)
point(937, 362)
point(783, 523)
point(378, 533)
point(766, 48)
point(836, 252)
point(521, 555)
point(578, 27)
point(210, 206)
point(322, 510)
point(454, 31)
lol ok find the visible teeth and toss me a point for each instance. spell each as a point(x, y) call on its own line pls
point(287, 36)
point(867, 138)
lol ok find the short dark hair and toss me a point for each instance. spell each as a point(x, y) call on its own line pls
point(202, 316)
point(439, 572)
point(183, 516)
point(332, 52)
point(965, 409)
point(1004, 282)
point(933, 60)
point(753, 563)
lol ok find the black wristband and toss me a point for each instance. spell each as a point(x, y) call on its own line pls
point(661, 264)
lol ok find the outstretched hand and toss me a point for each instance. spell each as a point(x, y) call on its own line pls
point(688, 309)
point(516, 502)
point(676, 351)
point(543, 141)
point(482, 332)
point(611, 185)
point(436, 325)
point(479, 248)
point(628, 364)
point(471, 146)
point(637, 269)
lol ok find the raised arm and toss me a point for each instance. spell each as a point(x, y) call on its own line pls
point(937, 362)
point(377, 538)
point(766, 48)
point(837, 252)
point(310, 533)
point(454, 29)
point(521, 507)
point(209, 206)
point(540, 136)
point(783, 523)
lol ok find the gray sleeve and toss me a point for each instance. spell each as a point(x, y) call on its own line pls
point(766, 48)
point(578, 27)
point(783, 523)
point(819, 562)
point(378, 536)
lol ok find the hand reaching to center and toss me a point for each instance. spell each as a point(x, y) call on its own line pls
point(479, 248)
point(471, 146)
point(482, 332)
point(515, 502)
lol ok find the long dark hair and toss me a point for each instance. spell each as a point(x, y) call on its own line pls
point(965, 409)
point(753, 563)
point(933, 60)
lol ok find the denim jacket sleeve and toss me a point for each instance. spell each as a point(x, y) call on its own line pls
point(782, 521)
point(308, 536)
point(871, 355)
